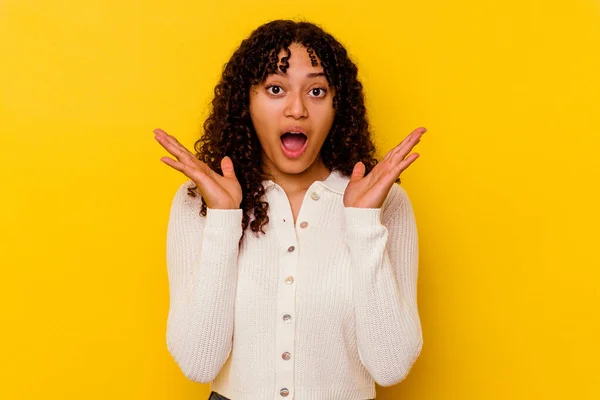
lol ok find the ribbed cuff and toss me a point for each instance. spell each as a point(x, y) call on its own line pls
point(362, 216)
point(224, 218)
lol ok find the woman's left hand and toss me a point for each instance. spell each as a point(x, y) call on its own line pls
point(370, 191)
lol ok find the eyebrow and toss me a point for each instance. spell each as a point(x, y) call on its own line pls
point(310, 75)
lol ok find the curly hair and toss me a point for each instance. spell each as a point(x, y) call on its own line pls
point(228, 130)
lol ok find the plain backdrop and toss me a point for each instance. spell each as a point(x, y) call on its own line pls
point(505, 191)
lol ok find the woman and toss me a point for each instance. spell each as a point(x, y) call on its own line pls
point(319, 301)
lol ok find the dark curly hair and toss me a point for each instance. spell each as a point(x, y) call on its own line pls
point(228, 131)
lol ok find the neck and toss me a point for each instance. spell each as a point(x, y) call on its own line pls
point(299, 183)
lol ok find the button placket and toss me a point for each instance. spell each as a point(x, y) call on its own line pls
point(291, 237)
point(286, 298)
point(308, 207)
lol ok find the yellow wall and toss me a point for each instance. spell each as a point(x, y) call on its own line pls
point(505, 190)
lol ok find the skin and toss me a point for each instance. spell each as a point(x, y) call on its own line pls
point(294, 98)
point(224, 191)
point(219, 191)
point(370, 191)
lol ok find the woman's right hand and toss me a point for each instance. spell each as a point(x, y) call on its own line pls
point(219, 192)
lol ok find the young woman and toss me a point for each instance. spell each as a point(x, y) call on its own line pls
point(292, 253)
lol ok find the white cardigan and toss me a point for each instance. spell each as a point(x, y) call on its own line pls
point(318, 311)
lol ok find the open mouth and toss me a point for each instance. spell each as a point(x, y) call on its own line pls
point(293, 144)
point(293, 141)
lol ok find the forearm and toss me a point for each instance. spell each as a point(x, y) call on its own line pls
point(201, 314)
point(388, 328)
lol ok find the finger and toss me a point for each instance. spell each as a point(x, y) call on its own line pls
point(410, 140)
point(401, 153)
point(404, 164)
point(178, 165)
point(173, 147)
point(391, 167)
point(227, 168)
point(165, 139)
point(393, 150)
point(184, 156)
point(194, 174)
point(413, 136)
point(358, 172)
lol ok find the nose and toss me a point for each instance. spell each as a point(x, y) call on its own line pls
point(295, 106)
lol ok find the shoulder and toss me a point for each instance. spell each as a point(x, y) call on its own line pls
point(395, 197)
point(397, 203)
point(185, 198)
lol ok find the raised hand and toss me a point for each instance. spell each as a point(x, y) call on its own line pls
point(370, 191)
point(219, 192)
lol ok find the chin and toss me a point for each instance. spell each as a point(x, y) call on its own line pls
point(293, 167)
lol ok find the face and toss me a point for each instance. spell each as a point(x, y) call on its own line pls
point(292, 114)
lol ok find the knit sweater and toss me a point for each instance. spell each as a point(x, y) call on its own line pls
point(320, 309)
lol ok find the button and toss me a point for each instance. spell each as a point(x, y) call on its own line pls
point(291, 248)
point(284, 392)
point(286, 356)
point(303, 224)
point(289, 280)
point(314, 196)
point(287, 318)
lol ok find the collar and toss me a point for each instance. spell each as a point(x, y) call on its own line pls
point(335, 182)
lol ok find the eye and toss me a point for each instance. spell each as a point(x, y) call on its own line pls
point(274, 89)
point(318, 92)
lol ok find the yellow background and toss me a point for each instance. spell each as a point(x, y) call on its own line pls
point(505, 191)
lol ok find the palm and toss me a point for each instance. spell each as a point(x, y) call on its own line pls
point(223, 189)
point(370, 191)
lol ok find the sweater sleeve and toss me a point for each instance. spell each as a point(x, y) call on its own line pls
point(201, 258)
point(383, 244)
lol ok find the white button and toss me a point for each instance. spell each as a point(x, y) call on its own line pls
point(287, 318)
point(284, 392)
point(289, 280)
point(291, 248)
point(286, 356)
point(314, 196)
point(303, 224)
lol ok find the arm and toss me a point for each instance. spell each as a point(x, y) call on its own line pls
point(202, 271)
point(383, 244)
